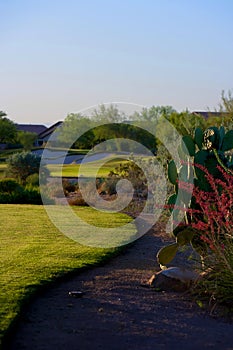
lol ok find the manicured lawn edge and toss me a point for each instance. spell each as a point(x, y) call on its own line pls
point(34, 256)
point(46, 285)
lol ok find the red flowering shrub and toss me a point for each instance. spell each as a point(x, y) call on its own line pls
point(211, 219)
point(211, 213)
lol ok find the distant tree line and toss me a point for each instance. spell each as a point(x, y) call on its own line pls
point(109, 123)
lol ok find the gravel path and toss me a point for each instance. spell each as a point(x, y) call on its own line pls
point(116, 312)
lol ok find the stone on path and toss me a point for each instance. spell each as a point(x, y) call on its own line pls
point(173, 279)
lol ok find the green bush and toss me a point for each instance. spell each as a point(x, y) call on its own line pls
point(21, 165)
point(32, 196)
point(6, 198)
point(11, 192)
point(22, 196)
point(129, 171)
point(9, 185)
point(33, 180)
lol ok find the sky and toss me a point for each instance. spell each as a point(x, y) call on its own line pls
point(59, 57)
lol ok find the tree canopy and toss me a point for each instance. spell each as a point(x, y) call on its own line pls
point(8, 131)
point(104, 124)
point(26, 139)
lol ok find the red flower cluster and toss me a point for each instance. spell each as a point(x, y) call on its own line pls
point(213, 213)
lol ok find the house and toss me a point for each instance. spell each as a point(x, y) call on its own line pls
point(35, 128)
point(44, 136)
point(43, 132)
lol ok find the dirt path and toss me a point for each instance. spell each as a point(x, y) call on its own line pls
point(117, 313)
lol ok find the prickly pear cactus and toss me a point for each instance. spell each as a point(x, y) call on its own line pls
point(208, 149)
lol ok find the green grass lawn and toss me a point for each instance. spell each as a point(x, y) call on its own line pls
point(73, 151)
point(33, 252)
point(72, 170)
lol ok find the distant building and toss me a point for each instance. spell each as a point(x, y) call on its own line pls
point(44, 136)
point(35, 128)
point(43, 132)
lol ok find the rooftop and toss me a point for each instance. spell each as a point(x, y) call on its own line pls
point(36, 128)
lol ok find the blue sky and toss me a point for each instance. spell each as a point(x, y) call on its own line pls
point(59, 57)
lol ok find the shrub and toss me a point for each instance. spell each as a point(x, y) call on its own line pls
point(33, 180)
point(210, 231)
point(11, 192)
point(208, 216)
point(31, 196)
point(21, 165)
point(26, 139)
point(213, 213)
point(78, 201)
point(9, 198)
point(213, 224)
point(68, 186)
point(211, 153)
point(129, 171)
point(9, 185)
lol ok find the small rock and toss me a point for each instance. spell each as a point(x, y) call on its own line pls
point(76, 294)
point(173, 279)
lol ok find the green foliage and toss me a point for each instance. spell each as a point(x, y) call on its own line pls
point(130, 171)
point(31, 195)
point(33, 180)
point(109, 123)
point(217, 285)
point(166, 254)
point(9, 185)
point(215, 142)
point(224, 115)
point(8, 131)
point(227, 141)
point(26, 139)
point(185, 122)
point(208, 150)
point(11, 192)
point(172, 172)
point(153, 113)
point(106, 123)
point(108, 114)
point(188, 145)
point(21, 165)
point(155, 118)
point(2, 114)
point(120, 134)
point(74, 125)
point(198, 137)
point(226, 107)
point(214, 224)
